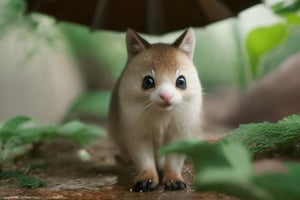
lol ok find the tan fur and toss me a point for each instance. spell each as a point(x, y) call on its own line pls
point(171, 176)
point(140, 127)
point(147, 175)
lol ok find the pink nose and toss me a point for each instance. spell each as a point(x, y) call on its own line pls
point(166, 96)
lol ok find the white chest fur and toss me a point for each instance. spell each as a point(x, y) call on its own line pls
point(157, 124)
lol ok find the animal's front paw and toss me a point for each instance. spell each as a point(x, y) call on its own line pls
point(145, 186)
point(173, 181)
point(174, 185)
point(146, 181)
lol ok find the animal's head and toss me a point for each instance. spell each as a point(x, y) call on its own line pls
point(160, 76)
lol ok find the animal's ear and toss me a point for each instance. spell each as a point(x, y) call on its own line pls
point(135, 43)
point(186, 42)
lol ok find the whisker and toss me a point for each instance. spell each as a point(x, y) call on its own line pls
point(148, 104)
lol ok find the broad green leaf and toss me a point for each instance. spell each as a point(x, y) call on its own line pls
point(293, 18)
point(212, 154)
point(239, 159)
point(263, 39)
point(195, 148)
point(80, 132)
point(33, 135)
point(286, 7)
point(8, 130)
point(277, 56)
point(226, 167)
point(235, 179)
point(282, 185)
point(16, 123)
point(223, 167)
point(14, 134)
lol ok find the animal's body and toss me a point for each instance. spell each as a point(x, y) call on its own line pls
point(156, 101)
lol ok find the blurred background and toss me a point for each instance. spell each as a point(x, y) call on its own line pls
point(59, 59)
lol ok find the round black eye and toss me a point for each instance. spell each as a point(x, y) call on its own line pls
point(148, 83)
point(181, 82)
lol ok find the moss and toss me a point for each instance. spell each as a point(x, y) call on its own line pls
point(270, 139)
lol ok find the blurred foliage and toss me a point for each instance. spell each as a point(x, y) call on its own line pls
point(262, 40)
point(20, 131)
point(279, 54)
point(214, 52)
point(281, 37)
point(94, 104)
point(25, 39)
point(226, 166)
point(222, 167)
point(223, 55)
point(286, 7)
point(105, 47)
point(11, 11)
point(13, 18)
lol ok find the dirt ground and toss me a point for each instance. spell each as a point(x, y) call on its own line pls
point(68, 177)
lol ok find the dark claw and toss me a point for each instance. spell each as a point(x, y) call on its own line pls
point(143, 186)
point(178, 185)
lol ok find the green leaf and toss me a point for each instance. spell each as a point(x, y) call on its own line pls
point(226, 166)
point(235, 179)
point(80, 132)
point(223, 167)
point(277, 56)
point(15, 134)
point(16, 123)
point(284, 185)
point(197, 149)
point(263, 39)
point(9, 128)
point(292, 18)
point(18, 134)
point(283, 8)
point(237, 165)
point(33, 135)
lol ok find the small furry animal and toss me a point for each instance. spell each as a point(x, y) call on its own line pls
point(156, 101)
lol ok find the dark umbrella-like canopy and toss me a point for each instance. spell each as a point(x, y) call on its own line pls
point(148, 16)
